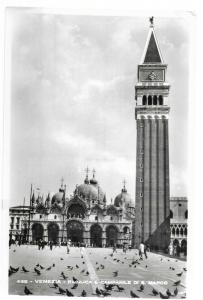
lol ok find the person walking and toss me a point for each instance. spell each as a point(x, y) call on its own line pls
point(51, 245)
point(145, 251)
point(170, 249)
point(68, 246)
point(141, 250)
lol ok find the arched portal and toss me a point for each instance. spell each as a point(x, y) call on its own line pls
point(37, 232)
point(96, 235)
point(184, 246)
point(76, 210)
point(111, 236)
point(53, 232)
point(75, 231)
point(175, 242)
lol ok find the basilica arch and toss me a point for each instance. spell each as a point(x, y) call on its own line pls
point(96, 235)
point(75, 231)
point(111, 236)
point(53, 232)
point(37, 232)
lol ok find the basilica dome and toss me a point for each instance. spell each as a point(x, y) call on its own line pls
point(58, 197)
point(123, 199)
point(90, 190)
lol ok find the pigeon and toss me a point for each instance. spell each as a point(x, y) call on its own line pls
point(82, 271)
point(61, 291)
point(27, 291)
point(74, 279)
point(177, 282)
point(70, 267)
point(37, 265)
point(81, 256)
point(55, 285)
point(87, 273)
point(14, 270)
point(53, 265)
point(108, 287)
point(133, 295)
point(154, 292)
point(83, 262)
point(111, 255)
point(175, 292)
point(98, 292)
point(97, 268)
point(74, 286)
point(61, 258)
point(168, 292)
point(185, 269)
point(83, 294)
point(96, 263)
point(48, 269)
point(105, 293)
point(162, 296)
point(115, 273)
point(24, 270)
point(37, 271)
point(77, 266)
point(146, 266)
point(120, 288)
point(64, 276)
point(102, 266)
point(41, 267)
point(179, 274)
point(14, 250)
point(68, 293)
point(141, 288)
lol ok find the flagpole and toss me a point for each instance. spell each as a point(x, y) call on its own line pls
point(29, 212)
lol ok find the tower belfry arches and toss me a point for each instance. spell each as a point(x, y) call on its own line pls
point(152, 179)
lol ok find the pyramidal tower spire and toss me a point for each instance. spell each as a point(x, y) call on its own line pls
point(152, 223)
point(152, 53)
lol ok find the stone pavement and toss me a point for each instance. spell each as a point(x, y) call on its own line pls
point(95, 266)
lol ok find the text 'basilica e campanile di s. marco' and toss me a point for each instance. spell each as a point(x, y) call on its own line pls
point(152, 223)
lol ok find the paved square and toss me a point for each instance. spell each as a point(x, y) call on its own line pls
point(92, 267)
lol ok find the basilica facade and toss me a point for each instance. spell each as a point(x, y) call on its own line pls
point(84, 217)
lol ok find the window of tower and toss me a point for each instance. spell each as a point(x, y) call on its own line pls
point(155, 100)
point(149, 100)
point(171, 214)
point(186, 214)
point(144, 100)
point(160, 100)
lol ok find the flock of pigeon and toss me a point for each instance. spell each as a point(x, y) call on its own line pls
point(108, 288)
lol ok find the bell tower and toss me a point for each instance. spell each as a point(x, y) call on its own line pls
point(152, 222)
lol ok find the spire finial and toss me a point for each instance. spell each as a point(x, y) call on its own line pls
point(86, 178)
point(93, 172)
point(151, 20)
point(124, 188)
point(62, 180)
point(87, 171)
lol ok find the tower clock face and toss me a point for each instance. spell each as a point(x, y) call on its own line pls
point(151, 75)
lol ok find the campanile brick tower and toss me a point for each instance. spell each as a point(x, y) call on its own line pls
point(152, 224)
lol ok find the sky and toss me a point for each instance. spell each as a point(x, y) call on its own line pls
point(72, 99)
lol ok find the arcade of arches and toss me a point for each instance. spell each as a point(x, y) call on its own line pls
point(74, 230)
